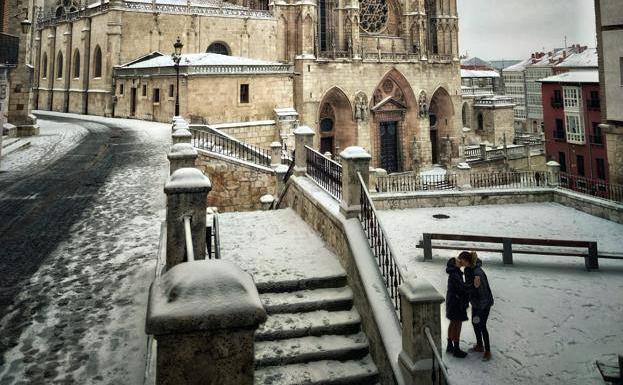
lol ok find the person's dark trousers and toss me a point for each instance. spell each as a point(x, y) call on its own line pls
point(479, 322)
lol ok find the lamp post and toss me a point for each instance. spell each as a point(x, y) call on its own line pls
point(177, 56)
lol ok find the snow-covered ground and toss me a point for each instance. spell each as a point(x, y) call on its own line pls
point(551, 319)
point(87, 301)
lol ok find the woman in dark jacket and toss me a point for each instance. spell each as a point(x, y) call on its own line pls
point(456, 306)
point(481, 299)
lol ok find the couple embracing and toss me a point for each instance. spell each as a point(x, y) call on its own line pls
point(474, 290)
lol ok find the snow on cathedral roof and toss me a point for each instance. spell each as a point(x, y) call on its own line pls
point(479, 74)
point(197, 59)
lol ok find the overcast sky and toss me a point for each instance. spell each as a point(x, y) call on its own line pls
point(512, 29)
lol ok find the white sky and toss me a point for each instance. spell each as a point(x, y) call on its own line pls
point(512, 29)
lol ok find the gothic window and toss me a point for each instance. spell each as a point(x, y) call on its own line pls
point(97, 62)
point(76, 63)
point(218, 48)
point(373, 14)
point(44, 66)
point(59, 65)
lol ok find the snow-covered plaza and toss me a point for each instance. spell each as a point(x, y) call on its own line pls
point(551, 319)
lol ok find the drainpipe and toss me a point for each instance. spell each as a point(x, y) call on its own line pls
point(87, 67)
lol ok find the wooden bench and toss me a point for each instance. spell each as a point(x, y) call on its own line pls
point(590, 256)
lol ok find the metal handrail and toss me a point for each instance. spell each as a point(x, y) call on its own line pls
point(217, 238)
point(326, 172)
point(442, 371)
point(225, 145)
point(190, 253)
point(594, 187)
point(381, 247)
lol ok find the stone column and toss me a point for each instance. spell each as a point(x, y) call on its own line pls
point(553, 169)
point(275, 154)
point(483, 152)
point(303, 136)
point(181, 135)
point(203, 315)
point(420, 308)
point(187, 192)
point(354, 160)
point(182, 155)
point(463, 172)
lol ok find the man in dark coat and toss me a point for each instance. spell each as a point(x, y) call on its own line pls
point(481, 299)
point(456, 306)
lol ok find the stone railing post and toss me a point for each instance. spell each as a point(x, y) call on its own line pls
point(354, 160)
point(483, 152)
point(280, 173)
point(303, 136)
point(463, 172)
point(275, 154)
point(181, 135)
point(187, 192)
point(180, 124)
point(420, 308)
point(203, 315)
point(553, 169)
point(182, 155)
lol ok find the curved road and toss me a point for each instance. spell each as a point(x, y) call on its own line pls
point(78, 238)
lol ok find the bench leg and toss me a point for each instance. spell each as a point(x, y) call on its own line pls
point(591, 262)
point(428, 247)
point(507, 253)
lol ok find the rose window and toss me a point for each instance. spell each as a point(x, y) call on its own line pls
point(373, 14)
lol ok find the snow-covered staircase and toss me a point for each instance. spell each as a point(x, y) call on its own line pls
point(312, 336)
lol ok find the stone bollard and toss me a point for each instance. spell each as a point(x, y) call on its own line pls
point(267, 201)
point(483, 152)
point(420, 308)
point(275, 154)
point(182, 155)
point(203, 315)
point(181, 135)
point(354, 160)
point(303, 136)
point(553, 177)
point(187, 191)
point(280, 174)
point(463, 172)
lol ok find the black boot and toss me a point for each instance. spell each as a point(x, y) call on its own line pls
point(450, 347)
point(457, 352)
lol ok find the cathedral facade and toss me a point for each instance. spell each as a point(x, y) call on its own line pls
point(382, 74)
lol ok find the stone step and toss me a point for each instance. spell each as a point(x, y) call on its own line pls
point(315, 323)
point(356, 372)
point(331, 299)
point(306, 349)
point(309, 283)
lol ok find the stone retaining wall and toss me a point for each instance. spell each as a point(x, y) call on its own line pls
point(331, 229)
point(236, 185)
point(588, 204)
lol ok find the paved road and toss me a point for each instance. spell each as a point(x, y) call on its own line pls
point(78, 238)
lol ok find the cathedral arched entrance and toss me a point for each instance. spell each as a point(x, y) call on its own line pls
point(393, 123)
point(337, 127)
point(441, 115)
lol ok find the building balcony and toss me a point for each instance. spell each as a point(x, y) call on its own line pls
point(593, 104)
point(557, 103)
point(596, 140)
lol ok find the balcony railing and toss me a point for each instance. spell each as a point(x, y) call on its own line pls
point(557, 103)
point(9, 48)
point(597, 140)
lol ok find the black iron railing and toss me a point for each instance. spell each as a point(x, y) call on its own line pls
point(9, 49)
point(227, 146)
point(397, 183)
point(518, 179)
point(213, 239)
point(595, 187)
point(324, 171)
point(381, 247)
point(439, 372)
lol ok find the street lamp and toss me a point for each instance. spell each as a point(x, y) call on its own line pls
point(25, 26)
point(177, 56)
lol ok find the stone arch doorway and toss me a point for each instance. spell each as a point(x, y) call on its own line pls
point(441, 115)
point(394, 123)
point(336, 127)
